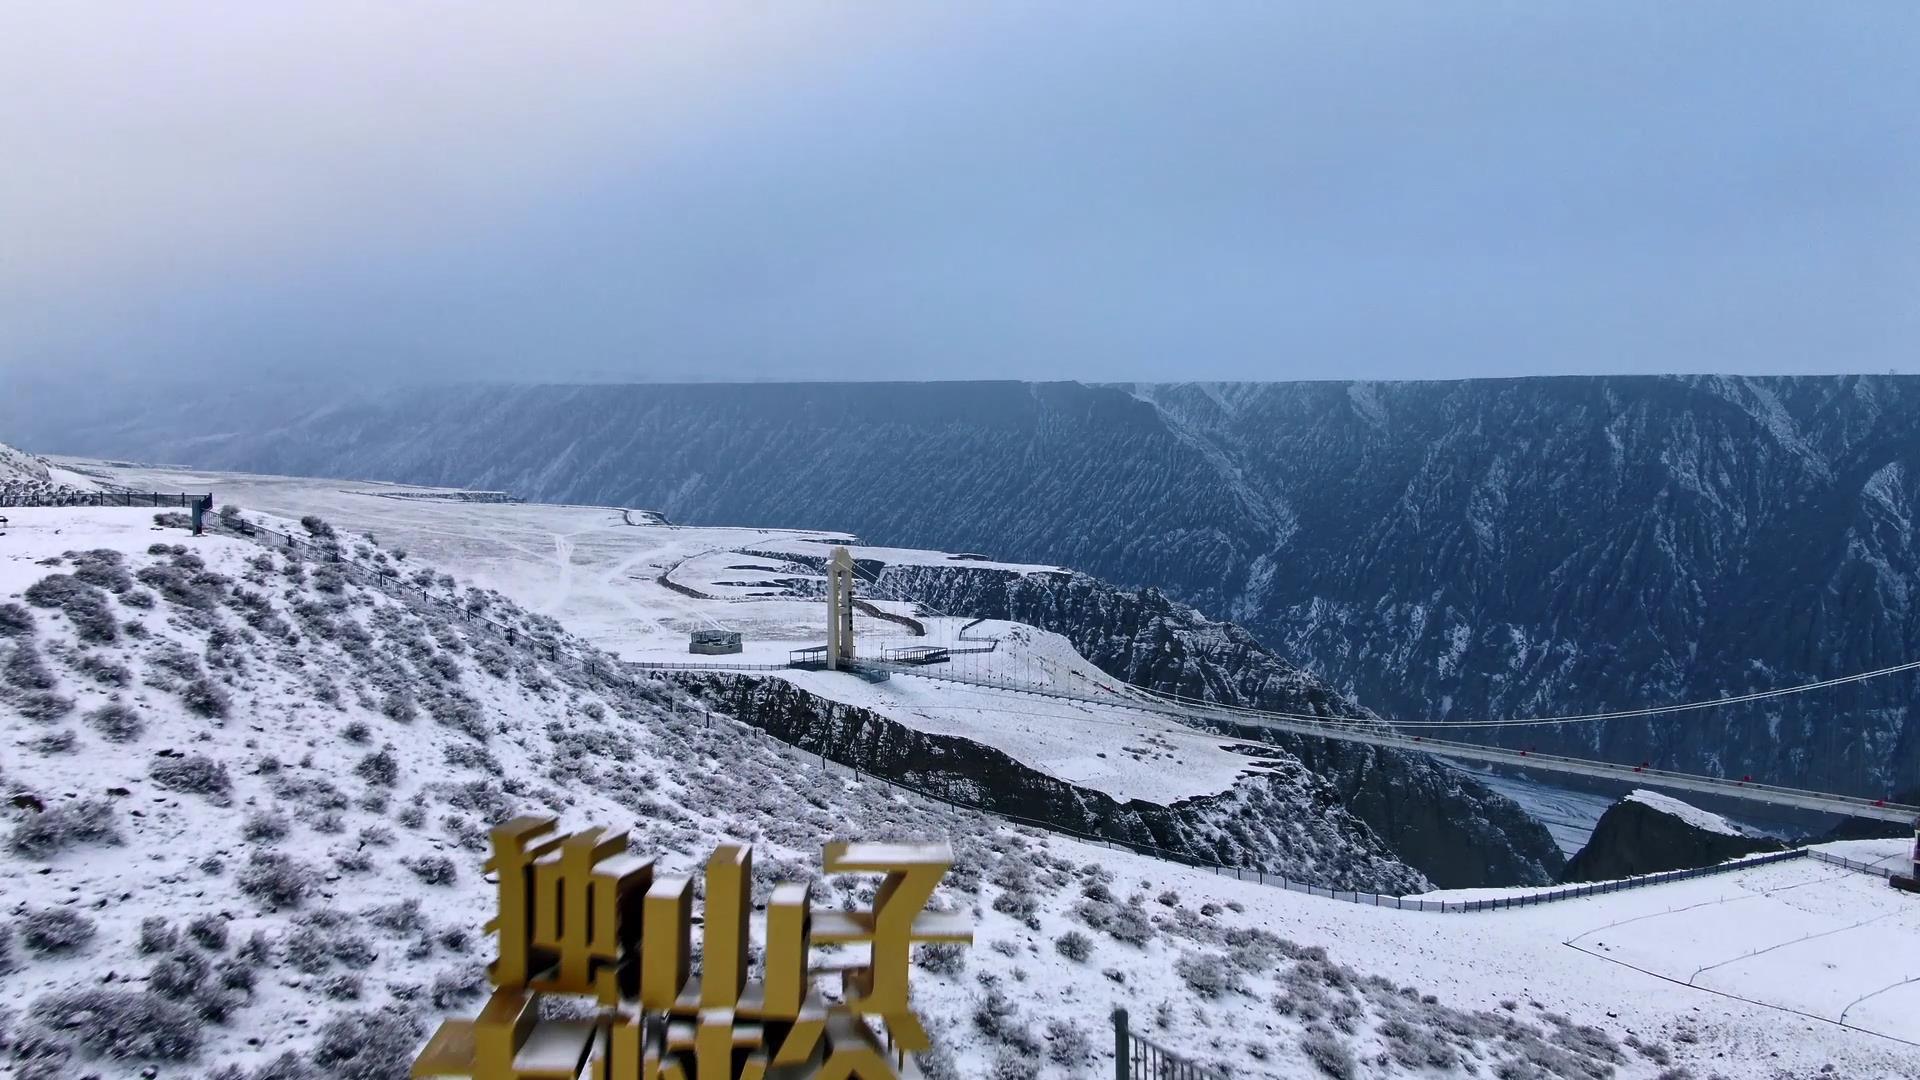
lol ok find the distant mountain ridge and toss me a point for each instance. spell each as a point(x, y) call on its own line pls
point(1436, 549)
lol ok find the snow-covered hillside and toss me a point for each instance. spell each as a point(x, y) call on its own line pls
point(247, 837)
point(636, 588)
point(25, 477)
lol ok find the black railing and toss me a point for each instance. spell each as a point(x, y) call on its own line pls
point(104, 498)
point(1136, 1057)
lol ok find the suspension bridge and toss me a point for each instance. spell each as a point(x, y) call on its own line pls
point(1212, 720)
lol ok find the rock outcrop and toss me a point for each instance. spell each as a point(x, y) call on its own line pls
point(1647, 833)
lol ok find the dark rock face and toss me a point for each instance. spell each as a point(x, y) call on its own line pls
point(1460, 549)
point(1288, 823)
point(1635, 838)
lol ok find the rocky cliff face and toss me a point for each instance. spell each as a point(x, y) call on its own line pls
point(1461, 549)
point(1444, 824)
point(1289, 823)
point(1642, 835)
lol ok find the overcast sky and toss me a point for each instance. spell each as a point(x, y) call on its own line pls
point(1109, 190)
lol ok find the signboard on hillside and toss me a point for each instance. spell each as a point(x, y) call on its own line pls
point(579, 917)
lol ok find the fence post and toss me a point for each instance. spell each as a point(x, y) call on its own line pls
point(1122, 1047)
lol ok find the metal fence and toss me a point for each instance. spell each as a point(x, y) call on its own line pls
point(105, 498)
point(1136, 1057)
point(1860, 865)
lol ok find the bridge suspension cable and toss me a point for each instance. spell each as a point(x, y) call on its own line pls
point(1571, 718)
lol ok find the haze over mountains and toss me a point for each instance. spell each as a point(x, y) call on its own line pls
point(1458, 549)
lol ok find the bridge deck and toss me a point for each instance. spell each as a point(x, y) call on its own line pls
point(1379, 734)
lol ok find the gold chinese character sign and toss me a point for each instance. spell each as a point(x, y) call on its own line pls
point(579, 916)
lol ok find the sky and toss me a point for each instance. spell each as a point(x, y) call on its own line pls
point(862, 190)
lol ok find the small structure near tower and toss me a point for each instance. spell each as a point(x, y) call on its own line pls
point(840, 609)
point(714, 642)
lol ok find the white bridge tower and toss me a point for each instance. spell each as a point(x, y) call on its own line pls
point(840, 609)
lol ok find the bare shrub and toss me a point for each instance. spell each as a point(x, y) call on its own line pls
point(432, 869)
point(209, 932)
point(63, 741)
point(276, 880)
point(368, 1045)
point(1067, 1043)
point(1074, 945)
point(203, 698)
point(178, 975)
point(122, 1024)
point(157, 935)
point(1208, 974)
point(380, 767)
point(55, 930)
point(195, 774)
point(941, 958)
point(1328, 1053)
point(15, 621)
point(265, 827)
point(83, 821)
point(116, 722)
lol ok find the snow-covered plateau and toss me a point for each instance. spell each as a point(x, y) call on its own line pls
point(251, 794)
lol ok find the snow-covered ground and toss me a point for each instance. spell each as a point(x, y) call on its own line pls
point(622, 581)
point(1266, 982)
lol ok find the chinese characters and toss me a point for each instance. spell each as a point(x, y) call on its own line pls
point(579, 916)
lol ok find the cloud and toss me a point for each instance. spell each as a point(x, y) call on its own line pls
point(1125, 190)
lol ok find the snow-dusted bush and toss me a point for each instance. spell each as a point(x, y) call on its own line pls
point(92, 618)
point(55, 930)
point(209, 932)
point(203, 698)
point(380, 767)
point(941, 958)
point(432, 869)
point(43, 707)
point(56, 591)
point(455, 985)
point(996, 1017)
point(402, 918)
point(317, 527)
point(25, 671)
point(83, 821)
point(1208, 974)
point(1067, 1043)
point(1328, 1053)
point(103, 670)
point(308, 950)
point(345, 986)
point(235, 973)
point(196, 774)
point(15, 621)
point(368, 1045)
point(8, 962)
point(265, 827)
point(178, 974)
point(123, 1024)
point(116, 722)
point(275, 879)
point(356, 732)
point(59, 742)
point(157, 935)
point(1074, 945)
point(288, 1066)
point(102, 567)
